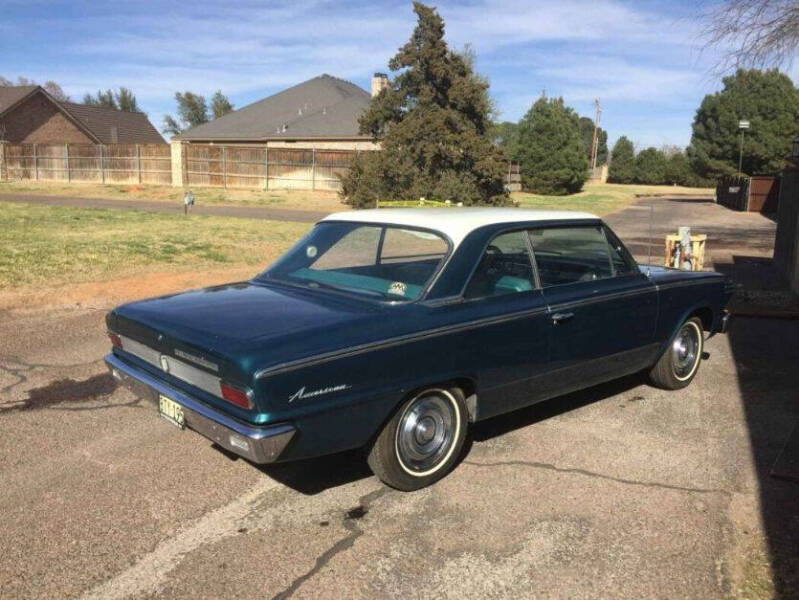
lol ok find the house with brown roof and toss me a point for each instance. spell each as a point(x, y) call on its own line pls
point(28, 114)
point(320, 113)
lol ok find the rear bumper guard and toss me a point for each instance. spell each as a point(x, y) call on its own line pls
point(258, 444)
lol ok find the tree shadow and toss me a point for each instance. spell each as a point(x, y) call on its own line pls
point(766, 354)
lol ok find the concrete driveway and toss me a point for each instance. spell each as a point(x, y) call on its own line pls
point(621, 491)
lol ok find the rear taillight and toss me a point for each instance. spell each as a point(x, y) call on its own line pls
point(116, 341)
point(236, 396)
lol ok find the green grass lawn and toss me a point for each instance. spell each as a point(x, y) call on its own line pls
point(602, 198)
point(42, 245)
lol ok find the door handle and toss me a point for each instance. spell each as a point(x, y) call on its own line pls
point(561, 317)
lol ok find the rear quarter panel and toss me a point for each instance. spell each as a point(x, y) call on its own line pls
point(681, 294)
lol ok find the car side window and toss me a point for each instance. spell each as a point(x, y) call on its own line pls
point(505, 268)
point(623, 263)
point(570, 254)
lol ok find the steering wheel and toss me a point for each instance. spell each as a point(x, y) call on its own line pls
point(493, 249)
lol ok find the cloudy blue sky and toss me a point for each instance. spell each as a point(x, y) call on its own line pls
point(643, 59)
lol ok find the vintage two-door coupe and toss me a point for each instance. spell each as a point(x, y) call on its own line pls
point(394, 329)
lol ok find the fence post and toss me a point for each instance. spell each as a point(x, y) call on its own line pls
point(224, 167)
point(313, 169)
point(176, 162)
point(35, 163)
point(138, 160)
point(3, 167)
point(102, 166)
point(66, 157)
point(266, 167)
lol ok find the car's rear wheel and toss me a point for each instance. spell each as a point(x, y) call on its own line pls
point(422, 441)
point(680, 361)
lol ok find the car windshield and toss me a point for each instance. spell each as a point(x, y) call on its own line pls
point(383, 261)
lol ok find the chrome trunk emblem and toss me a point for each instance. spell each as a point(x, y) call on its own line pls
point(164, 363)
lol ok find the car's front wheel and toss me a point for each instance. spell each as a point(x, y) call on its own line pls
point(680, 361)
point(422, 441)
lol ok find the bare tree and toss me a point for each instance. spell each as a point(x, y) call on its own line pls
point(754, 33)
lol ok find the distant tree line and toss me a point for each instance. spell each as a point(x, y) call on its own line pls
point(122, 99)
point(767, 99)
point(51, 87)
point(651, 166)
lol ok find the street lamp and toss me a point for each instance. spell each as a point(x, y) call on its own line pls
point(743, 125)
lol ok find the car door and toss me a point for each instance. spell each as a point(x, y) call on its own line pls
point(602, 309)
point(508, 342)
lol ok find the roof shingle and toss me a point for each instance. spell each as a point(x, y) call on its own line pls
point(131, 127)
point(322, 107)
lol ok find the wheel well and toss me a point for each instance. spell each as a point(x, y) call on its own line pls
point(706, 315)
point(466, 385)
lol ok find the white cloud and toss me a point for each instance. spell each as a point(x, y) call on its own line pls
point(624, 53)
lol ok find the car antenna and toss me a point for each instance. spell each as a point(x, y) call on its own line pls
point(649, 244)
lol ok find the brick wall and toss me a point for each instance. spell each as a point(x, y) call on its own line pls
point(38, 121)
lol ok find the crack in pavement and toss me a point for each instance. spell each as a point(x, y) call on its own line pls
point(343, 544)
point(551, 467)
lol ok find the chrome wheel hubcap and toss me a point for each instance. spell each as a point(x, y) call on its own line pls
point(426, 432)
point(685, 351)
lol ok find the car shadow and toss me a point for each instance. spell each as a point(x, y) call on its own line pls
point(508, 422)
point(315, 475)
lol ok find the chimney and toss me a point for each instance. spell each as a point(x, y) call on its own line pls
point(379, 82)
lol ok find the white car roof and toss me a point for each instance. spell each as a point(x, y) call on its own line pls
point(456, 222)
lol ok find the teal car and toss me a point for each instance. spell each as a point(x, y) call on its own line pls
point(394, 330)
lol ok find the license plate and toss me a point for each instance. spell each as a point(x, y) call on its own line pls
point(171, 411)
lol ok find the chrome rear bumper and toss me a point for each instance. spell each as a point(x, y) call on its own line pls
point(258, 444)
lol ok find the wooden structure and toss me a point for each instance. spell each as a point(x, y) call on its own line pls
point(749, 194)
point(97, 163)
point(697, 250)
point(259, 166)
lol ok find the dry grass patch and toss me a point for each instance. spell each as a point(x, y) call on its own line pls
point(293, 199)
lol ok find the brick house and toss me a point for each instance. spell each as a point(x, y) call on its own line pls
point(28, 114)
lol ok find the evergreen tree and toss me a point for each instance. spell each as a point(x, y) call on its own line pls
point(103, 98)
point(587, 131)
point(650, 167)
point(126, 100)
point(551, 153)
point(192, 111)
point(622, 162)
point(433, 123)
point(769, 101)
point(220, 105)
point(678, 169)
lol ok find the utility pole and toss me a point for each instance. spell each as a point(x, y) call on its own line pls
point(595, 141)
point(743, 125)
